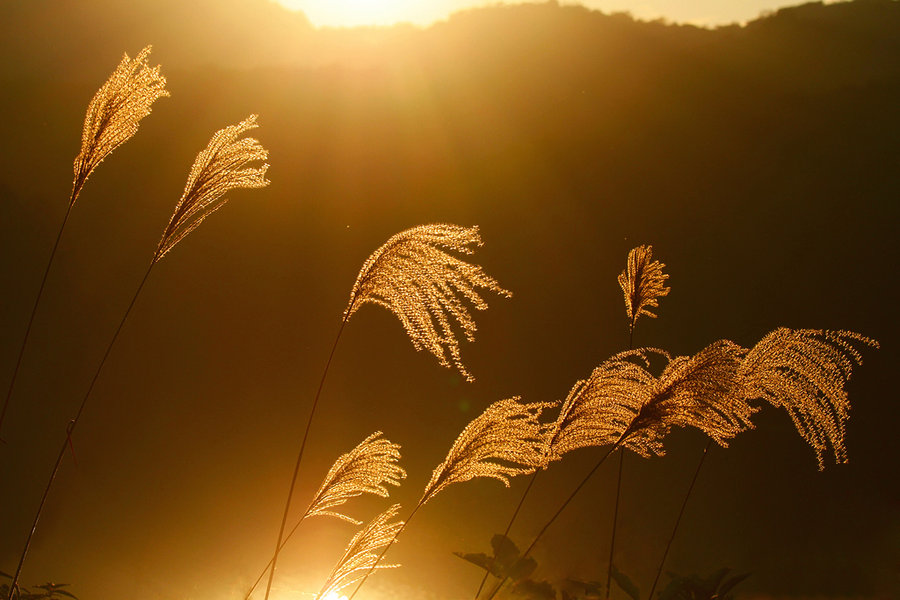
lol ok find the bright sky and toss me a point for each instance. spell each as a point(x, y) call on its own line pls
point(385, 12)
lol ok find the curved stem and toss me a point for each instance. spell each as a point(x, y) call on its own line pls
point(561, 508)
point(506, 532)
point(70, 428)
point(287, 504)
point(678, 520)
point(612, 542)
point(37, 300)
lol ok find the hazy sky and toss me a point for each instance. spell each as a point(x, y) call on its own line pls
point(382, 12)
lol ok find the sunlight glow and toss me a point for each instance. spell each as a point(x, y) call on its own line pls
point(353, 13)
point(334, 596)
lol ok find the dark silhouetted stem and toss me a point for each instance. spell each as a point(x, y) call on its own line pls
point(70, 429)
point(37, 300)
point(612, 541)
point(678, 520)
point(509, 525)
point(562, 508)
point(386, 548)
point(312, 412)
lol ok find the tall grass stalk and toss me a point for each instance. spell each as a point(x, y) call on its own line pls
point(220, 167)
point(112, 118)
point(70, 429)
point(558, 512)
point(287, 505)
point(415, 278)
point(506, 440)
point(687, 496)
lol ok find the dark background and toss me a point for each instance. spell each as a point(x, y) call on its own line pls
point(761, 161)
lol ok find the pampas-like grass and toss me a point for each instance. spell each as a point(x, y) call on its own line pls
point(415, 278)
point(367, 469)
point(360, 558)
point(506, 440)
point(215, 171)
point(642, 282)
point(222, 166)
point(805, 372)
point(112, 118)
point(115, 112)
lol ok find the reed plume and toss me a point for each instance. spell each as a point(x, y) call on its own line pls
point(506, 440)
point(805, 371)
point(598, 409)
point(415, 278)
point(212, 175)
point(360, 558)
point(219, 168)
point(642, 282)
point(115, 112)
point(367, 469)
point(112, 118)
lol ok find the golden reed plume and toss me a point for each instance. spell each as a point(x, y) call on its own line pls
point(360, 557)
point(622, 403)
point(367, 469)
point(412, 276)
point(642, 282)
point(805, 371)
point(115, 112)
point(219, 168)
point(506, 440)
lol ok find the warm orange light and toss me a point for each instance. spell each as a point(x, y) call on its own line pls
point(352, 13)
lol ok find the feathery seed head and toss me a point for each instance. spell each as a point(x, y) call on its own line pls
point(702, 391)
point(598, 409)
point(642, 282)
point(506, 440)
point(360, 557)
point(219, 168)
point(805, 371)
point(115, 112)
point(414, 277)
point(367, 469)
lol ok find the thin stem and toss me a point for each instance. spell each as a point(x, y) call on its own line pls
point(386, 548)
point(561, 508)
point(506, 532)
point(612, 541)
point(37, 300)
point(70, 429)
point(678, 520)
point(287, 504)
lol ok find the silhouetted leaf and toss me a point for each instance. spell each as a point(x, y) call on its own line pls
point(625, 583)
point(480, 559)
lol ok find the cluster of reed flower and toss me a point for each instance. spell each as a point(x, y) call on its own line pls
point(420, 276)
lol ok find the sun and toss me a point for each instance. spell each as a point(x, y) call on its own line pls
point(354, 13)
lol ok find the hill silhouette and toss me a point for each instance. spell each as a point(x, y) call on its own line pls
point(762, 161)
